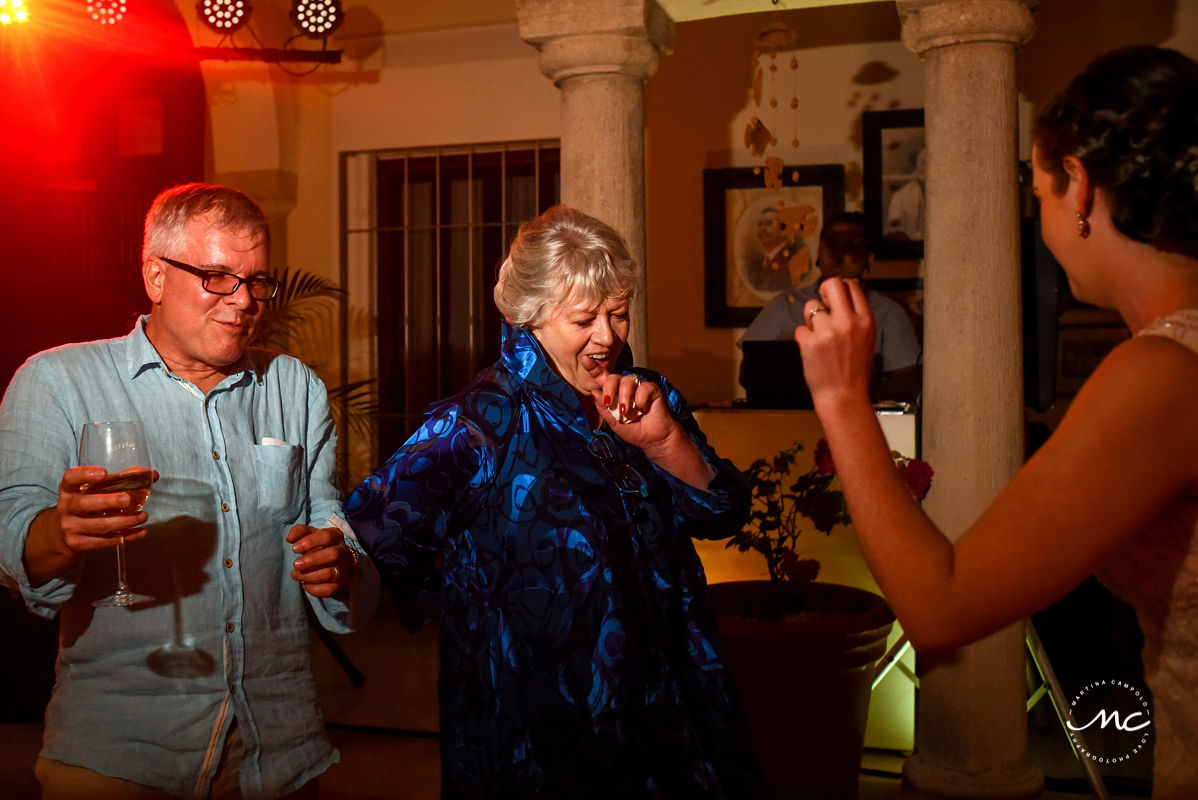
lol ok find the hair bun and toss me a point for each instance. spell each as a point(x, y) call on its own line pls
point(1132, 118)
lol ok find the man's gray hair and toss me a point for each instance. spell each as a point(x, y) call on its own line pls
point(173, 208)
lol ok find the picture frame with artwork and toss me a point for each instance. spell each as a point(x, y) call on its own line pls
point(895, 157)
point(760, 239)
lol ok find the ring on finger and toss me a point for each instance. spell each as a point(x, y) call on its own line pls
point(336, 573)
point(636, 384)
point(819, 309)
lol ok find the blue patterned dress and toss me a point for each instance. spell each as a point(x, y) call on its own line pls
point(579, 655)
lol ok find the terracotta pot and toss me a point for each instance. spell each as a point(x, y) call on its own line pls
point(804, 682)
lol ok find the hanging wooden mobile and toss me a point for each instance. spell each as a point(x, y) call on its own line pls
point(771, 43)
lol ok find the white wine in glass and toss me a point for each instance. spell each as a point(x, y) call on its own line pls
point(120, 448)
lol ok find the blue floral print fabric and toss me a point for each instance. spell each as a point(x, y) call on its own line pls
point(579, 655)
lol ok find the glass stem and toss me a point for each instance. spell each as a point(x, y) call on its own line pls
point(122, 587)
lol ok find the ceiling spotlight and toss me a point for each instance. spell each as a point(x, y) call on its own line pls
point(106, 12)
point(317, 19)
point(12, 11)
point(224, 16)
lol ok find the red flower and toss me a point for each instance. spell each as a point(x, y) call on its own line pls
point(918, 475)
point(823, 458)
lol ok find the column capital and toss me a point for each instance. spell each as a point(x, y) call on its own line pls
point(582, 37)
point(928, 24)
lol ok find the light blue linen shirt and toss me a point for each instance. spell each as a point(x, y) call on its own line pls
point(896, 342)
point(148, 693)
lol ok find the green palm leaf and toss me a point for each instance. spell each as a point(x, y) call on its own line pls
point(300, 292)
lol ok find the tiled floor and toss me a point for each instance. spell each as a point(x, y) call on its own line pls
point(381, 729)
point(397, 693)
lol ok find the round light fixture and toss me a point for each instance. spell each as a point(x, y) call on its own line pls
point(224, 16)
point(12, 11)
point(317, 19)
point(106, 12)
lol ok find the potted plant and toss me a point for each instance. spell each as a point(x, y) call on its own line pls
point(801, 651)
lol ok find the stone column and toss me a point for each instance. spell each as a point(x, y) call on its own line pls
point(971, 739)
point(599, 53)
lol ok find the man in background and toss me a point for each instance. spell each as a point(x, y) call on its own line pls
point(843, 253)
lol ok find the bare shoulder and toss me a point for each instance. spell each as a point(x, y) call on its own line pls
point(1141, 399)
point(1152, 368)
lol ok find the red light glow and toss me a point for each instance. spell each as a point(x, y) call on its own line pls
point(62, 73)
point(95, 119)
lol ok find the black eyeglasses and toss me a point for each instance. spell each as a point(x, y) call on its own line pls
point(262, 287)
point(626, 478)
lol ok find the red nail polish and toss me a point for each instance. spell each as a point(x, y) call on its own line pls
point(622, 408)
point(607, 399)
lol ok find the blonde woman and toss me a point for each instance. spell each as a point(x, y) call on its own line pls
point(549, 508)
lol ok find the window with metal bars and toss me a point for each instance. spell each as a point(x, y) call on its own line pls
point(439, 226)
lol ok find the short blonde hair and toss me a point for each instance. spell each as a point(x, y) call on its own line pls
point(562, 257)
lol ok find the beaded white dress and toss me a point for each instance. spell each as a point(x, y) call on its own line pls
point(1157, 574)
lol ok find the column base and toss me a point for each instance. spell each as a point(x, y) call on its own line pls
point(1008, 783)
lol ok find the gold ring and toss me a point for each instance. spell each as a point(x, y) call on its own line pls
point(336, 573)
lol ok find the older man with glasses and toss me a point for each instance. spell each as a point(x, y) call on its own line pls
point(206, 689)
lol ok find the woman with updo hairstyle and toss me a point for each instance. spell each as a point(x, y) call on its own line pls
point(543, 516)
point(1114, 491)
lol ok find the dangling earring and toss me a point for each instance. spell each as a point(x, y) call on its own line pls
point(1083, 226)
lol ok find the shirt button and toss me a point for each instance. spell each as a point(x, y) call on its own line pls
point(216, 455)
point(224, 506)
point(229, 627)
point(228, 563)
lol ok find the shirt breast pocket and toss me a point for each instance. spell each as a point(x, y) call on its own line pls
point(279, 470)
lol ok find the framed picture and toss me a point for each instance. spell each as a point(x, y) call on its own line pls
point(895, 171)
point(760, 240)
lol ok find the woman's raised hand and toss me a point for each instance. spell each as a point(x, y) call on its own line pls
point(637, 412)
point(634, 409)
point(837, 342)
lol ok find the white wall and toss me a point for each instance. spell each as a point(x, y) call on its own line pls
point(420, 89)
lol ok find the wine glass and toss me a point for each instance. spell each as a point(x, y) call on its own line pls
point(120, 448)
